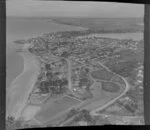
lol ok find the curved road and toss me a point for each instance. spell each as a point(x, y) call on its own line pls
point(93, 112)
point(22, 102)
point(112, 101)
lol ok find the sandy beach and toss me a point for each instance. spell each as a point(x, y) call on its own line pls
point(22, 84)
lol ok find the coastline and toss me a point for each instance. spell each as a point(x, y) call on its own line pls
point(19, 88)
point(21, 85)
point(27, 57)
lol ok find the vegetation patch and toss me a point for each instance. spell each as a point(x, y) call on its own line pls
point(119, 80)
point(110, 87)
point(102, 74)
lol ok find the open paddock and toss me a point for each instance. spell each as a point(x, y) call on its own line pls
point(29, 112)
point(56, 111)
point(101, 97)
point(119, 80)
point(102, 74)
point(110, 87)
point(50, 110)
point(98, 95)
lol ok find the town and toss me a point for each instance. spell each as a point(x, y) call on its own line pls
point(72, 62)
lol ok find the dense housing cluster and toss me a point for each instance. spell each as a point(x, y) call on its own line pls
point(52, 79)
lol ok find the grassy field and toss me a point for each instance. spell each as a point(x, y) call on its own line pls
point(118, 79)
point(50, 110)
point(102, 74)
point(110, 87)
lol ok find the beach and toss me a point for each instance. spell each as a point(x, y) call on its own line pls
point(21, 85)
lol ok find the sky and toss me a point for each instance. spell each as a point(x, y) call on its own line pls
point(35, 8)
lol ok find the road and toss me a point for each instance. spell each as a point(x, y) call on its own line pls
point(69, 76)
point(112, 101)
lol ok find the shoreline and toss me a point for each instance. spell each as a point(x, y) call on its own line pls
point(27, 59)
point(19, 86)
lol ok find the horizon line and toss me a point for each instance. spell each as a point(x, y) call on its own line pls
point(66, 17)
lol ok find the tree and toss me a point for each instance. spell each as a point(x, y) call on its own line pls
point(72, 112)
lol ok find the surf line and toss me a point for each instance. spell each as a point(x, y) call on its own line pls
point(30, 63)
